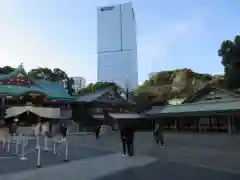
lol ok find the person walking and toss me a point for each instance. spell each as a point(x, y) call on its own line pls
point(63, 130)
point(159, 134)
point(127, 137)
point(130, 140)
point(97, 132)
point(14, 126)
point(123, 136)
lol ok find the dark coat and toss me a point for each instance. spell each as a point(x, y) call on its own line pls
point(159, 133)
point(127, 133)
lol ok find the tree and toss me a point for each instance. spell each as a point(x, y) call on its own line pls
point(6, 70)
point(59, 75)
point(55, 75)
point(230, 54)
point(145, 100)
point(98, 85)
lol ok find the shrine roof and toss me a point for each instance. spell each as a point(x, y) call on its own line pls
point(50, 89)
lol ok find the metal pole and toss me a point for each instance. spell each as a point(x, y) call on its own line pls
point(66, 151)
point(23, 157)
point(26, 142)
point(39, 157)
point(9, 145)
point(229, 125)
point(17, 143)
point(46, 144)
point(3, 144)
point(54, 148)
point(37, 143)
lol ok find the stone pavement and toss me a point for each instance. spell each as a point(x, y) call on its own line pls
point(14, 164)
point(185, 157)
point(86, 169)
point(213, 151)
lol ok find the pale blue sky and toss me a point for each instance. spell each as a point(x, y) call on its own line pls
point(62, 33)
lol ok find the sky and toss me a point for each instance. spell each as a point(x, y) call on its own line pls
point(63, 33)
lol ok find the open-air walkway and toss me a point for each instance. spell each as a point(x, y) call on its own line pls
point(185, 156)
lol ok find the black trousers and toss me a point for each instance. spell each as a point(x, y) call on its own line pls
point(97, 135)
point(127, 144)
point(160, 140)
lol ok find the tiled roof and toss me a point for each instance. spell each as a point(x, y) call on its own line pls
point(213, 107)
point(205, 90)
point(92, 96)
point(52, 90)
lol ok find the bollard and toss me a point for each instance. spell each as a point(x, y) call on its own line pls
point(39, 157)
point(37, 144)
point(26, 142)
point(66, 151)
point(9, 145)
point(54, 148)
point(17, 144)
point(23, 157)
point(46, 144)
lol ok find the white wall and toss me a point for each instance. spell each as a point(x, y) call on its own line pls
point(117, 46)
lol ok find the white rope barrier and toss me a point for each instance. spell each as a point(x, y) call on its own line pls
point(21, 143)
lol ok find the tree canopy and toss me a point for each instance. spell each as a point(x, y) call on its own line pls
point(55, 75)
point(98, 85)
point(230, 53)
point(6, 69)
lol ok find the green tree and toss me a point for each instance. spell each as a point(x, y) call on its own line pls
point(98, 85)
point(230, 54)
point(55, 75)
point(6, 70)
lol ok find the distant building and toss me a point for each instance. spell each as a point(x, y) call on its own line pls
point(117, 45)
point(78, 82)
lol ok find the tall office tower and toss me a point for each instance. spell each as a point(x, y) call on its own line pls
point(117, 45)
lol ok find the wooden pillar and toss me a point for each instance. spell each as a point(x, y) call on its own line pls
point(176, 124)
point(229, 124)
point(2, 105)
point(199, 124)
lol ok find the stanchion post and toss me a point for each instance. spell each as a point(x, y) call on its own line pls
point(54, 147)
point(39, 157)
point(37, 143)
point(17, 144)
point(23, 157)
point(46, 143)
point(26, 142)
point(9, 145)
point(3, 144)
point(66, 151)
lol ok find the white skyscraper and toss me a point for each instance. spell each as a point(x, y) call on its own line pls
point(117, 45)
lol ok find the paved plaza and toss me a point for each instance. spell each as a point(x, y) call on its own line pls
point(185, 156)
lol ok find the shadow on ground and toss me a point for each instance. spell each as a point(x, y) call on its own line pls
point(169, 171)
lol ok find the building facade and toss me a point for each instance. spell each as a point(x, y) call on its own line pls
point(78, 83)
point(117, 45)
